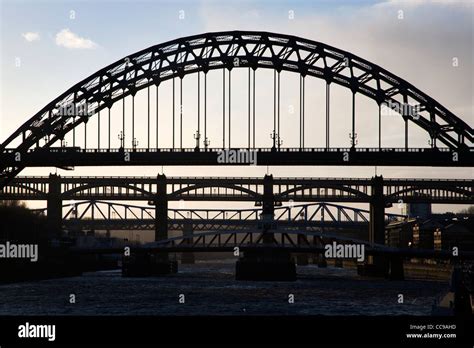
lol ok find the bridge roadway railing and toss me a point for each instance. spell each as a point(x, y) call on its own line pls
point(217, 150)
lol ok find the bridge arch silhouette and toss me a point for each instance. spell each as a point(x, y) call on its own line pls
point(32, 144)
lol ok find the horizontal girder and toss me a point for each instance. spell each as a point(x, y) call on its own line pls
point(459, 191)
point(227, 241)
point(265, 156)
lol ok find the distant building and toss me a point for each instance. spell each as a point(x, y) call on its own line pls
point(400, 233)
point(424, 232)
point(441, 232)
point(459, 233)
point(419, 210)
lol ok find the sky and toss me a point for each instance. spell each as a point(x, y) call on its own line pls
point(48, 46)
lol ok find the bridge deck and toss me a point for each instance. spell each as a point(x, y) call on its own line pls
point(243, 189)
point(358, 156)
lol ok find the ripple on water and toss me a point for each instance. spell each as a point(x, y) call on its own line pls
point(210, 289)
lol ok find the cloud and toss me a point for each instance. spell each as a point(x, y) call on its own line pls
point(68, 39)
point(31, 36)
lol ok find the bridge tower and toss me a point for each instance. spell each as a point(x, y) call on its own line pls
point(54, 206)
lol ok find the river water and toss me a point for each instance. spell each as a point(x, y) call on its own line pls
point(209, 288)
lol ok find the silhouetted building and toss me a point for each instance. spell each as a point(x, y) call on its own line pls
point(459, 233)
point(419, 210)
point(423, 233)
point(400, 233)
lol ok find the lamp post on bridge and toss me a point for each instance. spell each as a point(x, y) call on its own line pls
point(134, 144)
point(353, 138)
point(197, 136)
point(277, 142)
point(121, 137)
point(207, 142)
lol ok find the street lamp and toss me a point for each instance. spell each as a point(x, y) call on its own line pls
point(121, 137)
point(353, 138)
point(197, 136)
point(277, 142)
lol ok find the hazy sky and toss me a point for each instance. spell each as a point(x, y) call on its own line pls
point(47, 46)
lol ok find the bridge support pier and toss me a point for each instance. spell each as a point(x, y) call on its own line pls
point(54, 207)
point(158, 263)
point(302, 259)
point(268, 209)
point(377, 265)
point(322, 263)
point(319, 258)
point(161, 210)
point(266, 263)
point(396, 268)
point(377, 212)
point(187, 257)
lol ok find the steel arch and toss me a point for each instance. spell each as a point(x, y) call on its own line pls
point(179, 193)
point(204, 52)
